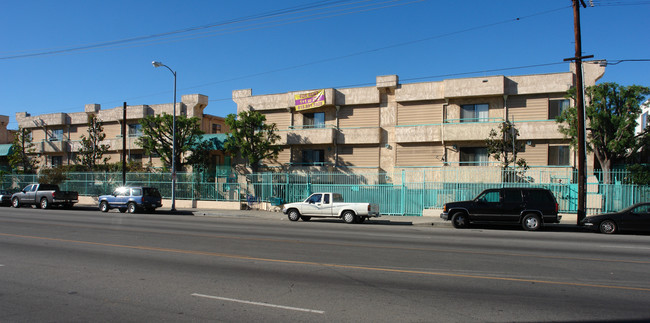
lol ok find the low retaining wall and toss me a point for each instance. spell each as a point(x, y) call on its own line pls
point(180, 204)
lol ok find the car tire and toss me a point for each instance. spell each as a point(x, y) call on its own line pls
point(293, 215)
point(305, 218)
point(44, 203)
point(460, 220)
point(349, 217)
point(531, 222)
point(607, 227)
point(15, 202)
point(131, 208)
point(103, 206)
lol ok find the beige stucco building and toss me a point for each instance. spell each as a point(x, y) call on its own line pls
point(57, 136)
point(393, 126)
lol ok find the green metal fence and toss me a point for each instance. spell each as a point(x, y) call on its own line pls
point(407, 192)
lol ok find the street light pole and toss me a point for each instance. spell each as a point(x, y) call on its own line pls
point(158, 64)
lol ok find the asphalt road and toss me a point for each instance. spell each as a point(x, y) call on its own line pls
point(82, 265)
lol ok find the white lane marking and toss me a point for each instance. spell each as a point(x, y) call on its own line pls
point(624, 247)
point(260, 304)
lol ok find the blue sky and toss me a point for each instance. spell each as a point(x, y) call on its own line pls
point(278, 46)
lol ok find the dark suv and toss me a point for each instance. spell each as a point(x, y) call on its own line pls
point(530, 207)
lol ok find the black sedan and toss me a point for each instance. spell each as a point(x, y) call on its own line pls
point(633, 218)
point(5, 198)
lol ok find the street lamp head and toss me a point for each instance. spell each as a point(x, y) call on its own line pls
point(157, 64)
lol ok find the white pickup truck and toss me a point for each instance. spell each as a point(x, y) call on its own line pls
point(330, 205)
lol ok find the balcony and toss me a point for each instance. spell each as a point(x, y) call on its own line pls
point(307, 136)
point(53, 146)
point(348, 136)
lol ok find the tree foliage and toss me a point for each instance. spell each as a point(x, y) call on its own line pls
point(611, 120)
point(92, 150)
point(251, 137)
point(22, 147)
point(157, 139)
point(503, 146)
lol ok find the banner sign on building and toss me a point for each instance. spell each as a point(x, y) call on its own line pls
point(310, 100)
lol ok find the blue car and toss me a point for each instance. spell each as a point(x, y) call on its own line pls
point(131, 199)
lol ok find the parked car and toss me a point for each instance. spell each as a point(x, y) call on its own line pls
point(530, 207)
point(633, 218)
point(44, 196)
point(5, 198)
point(131, 199)
point(330, 205)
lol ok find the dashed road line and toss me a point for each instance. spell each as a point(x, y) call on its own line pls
point(259, 304)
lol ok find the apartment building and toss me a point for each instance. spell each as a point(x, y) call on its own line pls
point(57, 136)
point(392, 126)
point(6, 138)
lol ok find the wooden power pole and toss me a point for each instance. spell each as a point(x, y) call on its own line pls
point(580, 111)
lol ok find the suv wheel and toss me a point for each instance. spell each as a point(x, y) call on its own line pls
point(131, 208)
point(103, 206)
point(531, 222)
point(459, 220)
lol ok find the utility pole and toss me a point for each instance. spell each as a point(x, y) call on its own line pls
point(124, 134)
point(580, 111)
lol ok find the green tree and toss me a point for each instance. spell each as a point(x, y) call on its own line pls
point(252, 138)
point(92, 150)
point(22, 147)
point(157, 138)
point(503, 146)
point(611, 118)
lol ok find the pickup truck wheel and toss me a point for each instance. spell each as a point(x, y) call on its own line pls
point(15, 202)
point(349, 217)
point(103, 206)
point(531, 222)
point(460, 220)
point(293, 215)
point(131, 208)
point(305, 218)
point(44, 203)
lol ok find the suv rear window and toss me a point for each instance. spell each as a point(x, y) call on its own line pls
point(539, 196)
point(150, 191)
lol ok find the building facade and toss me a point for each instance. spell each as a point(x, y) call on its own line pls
point(57, 136)
point(392, 126)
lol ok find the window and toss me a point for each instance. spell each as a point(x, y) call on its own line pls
point(313, 156)
point(216, 128)
point(474, 113)
point(314, 120)
point(489, 197)
point(558, 155)
point(555, 108)
point(512, 196)
point(644, 121)
point(57, 135)
point(346, 150)
point(135, 130)
point(473, 157)
point(136, 192)
point(57, 161)
point(135, 158)
point(316, 198)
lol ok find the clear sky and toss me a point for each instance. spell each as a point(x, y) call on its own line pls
point(57, 56)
